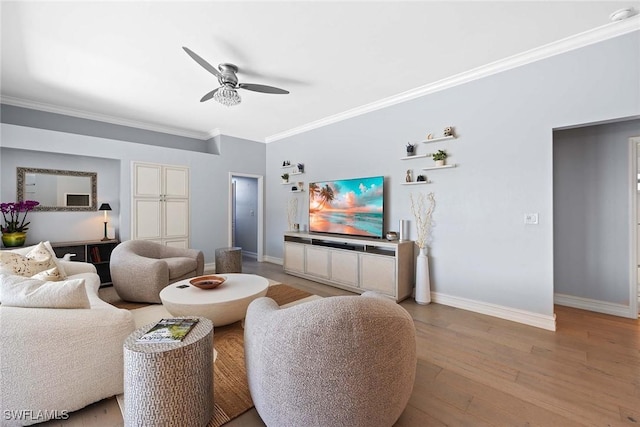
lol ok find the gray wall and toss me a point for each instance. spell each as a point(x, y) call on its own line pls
point(64, 226)
point(481, 248)
point(591, 190)
point(247, 214)
point(209, 179)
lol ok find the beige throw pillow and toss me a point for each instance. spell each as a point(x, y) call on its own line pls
point(27, 249)
point(18, 291)
point(37, 260)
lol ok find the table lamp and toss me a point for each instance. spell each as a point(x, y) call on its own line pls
point(105, 207)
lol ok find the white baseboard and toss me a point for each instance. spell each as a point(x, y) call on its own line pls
point(209, 268)
point(592, 305)
point(273, 260)
point(502, 312)
point(250, 254)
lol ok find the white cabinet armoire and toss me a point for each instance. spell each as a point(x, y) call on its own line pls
point(160, 204)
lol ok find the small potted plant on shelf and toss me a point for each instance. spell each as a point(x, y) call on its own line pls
point(285, 178)
point(440, 157)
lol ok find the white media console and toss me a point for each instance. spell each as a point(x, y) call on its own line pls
point(351, 263)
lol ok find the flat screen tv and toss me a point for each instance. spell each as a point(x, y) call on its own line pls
point(353, 207)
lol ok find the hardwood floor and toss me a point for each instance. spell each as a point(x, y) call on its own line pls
point(476, 370)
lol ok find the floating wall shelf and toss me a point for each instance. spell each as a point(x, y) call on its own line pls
point(418, 156)
point(416, 183)
point(441, 138)
point(439, 167)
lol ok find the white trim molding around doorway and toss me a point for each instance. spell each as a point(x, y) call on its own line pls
point(260, 209)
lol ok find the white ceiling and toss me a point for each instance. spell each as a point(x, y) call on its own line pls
point(124, 60)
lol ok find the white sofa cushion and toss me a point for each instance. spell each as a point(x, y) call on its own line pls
point(18, 291)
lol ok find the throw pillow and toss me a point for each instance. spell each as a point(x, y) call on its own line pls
point(27, 249)
point(37, 260)
point(19, 291)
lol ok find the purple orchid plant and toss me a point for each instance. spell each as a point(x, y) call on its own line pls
point(12, 213)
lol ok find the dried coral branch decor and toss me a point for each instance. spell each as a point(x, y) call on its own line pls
point(292, 212)
point(423, 214)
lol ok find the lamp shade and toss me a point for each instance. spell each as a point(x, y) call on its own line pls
point(104, 207)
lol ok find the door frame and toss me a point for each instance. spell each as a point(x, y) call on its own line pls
point(260, 203)
point(633, 226)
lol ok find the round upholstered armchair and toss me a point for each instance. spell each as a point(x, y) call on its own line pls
point(338, 361)
point(141, 269)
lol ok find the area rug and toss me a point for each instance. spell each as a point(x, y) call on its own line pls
point(230, 388)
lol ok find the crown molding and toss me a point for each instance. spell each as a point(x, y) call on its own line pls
point(577, 41)
point(40, 106)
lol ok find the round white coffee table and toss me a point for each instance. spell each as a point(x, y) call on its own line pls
point(222, 305)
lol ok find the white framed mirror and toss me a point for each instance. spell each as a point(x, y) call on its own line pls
point(58, 190)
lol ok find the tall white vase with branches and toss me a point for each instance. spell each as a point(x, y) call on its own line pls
point(292, 212)
point(423, 213)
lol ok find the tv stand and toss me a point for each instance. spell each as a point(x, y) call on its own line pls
point(352, 263)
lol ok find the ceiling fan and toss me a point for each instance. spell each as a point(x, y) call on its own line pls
point(226, 94)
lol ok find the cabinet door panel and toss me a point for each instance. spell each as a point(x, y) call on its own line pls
point(146, 180)
point(147, 221)
point(344, 267)
point(176, 222)
point(317, 261)
point(294, 257)
point(178, 243)
point(378, 273)
point(176, 182)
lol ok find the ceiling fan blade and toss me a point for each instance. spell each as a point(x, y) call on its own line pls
point(209, 95)
point(204, 64)
point(263, 88)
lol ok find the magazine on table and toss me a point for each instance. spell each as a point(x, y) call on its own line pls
point(168, 330)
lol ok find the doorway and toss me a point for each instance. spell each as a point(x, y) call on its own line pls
point(246, 224)
point(595, 217)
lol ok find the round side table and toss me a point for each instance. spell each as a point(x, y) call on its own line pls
point(169, 383)
point(228, 260)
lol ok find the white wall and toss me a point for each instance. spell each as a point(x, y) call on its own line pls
point(209, 180)
point(591, 197)
point(482, 250)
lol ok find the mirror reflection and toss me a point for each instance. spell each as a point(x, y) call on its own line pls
point(58, 190)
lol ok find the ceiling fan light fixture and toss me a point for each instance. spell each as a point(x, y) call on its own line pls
point(227, 96)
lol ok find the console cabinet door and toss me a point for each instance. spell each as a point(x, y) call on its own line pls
point(344, 267)
point(378, 273)
point(294, 257)
point(317, 261)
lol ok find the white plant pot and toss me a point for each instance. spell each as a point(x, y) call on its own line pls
point(440, 162)
point(423, 285)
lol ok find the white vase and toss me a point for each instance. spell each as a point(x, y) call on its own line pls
point(423, 286)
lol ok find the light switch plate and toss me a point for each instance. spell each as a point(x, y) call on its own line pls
point(531, 218)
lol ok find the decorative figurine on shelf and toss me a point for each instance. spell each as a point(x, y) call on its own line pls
point(408, 177)
point(430, 136)
point(448, 131)
point(421, 178)
point(294, 188)
point(411, 149)
point(300, 167)
point(286, 163)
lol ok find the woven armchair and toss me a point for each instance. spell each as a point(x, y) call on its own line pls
point(140, 269)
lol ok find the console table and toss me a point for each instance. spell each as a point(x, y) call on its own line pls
point(96, 252)
point(354, 264)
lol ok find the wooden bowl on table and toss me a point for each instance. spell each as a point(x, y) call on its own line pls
point(207, 282)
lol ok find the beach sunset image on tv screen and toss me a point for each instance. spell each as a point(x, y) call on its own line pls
point(347, 206)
